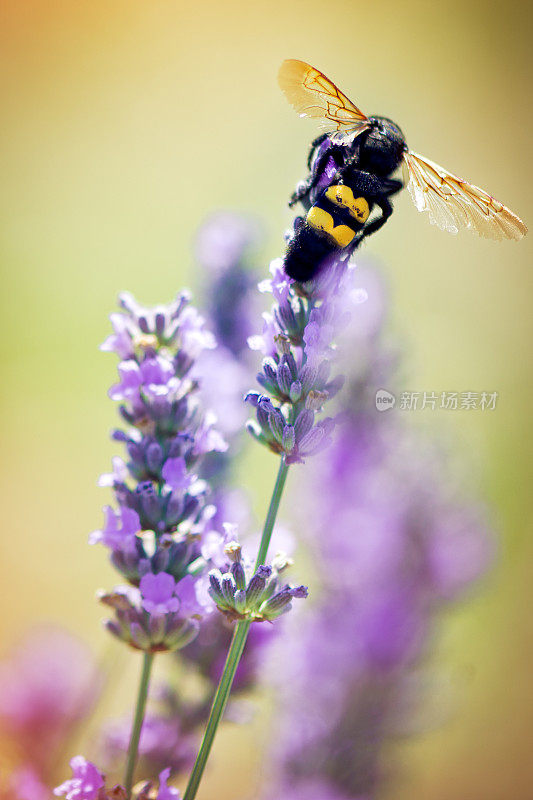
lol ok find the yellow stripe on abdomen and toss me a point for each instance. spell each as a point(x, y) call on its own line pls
point(343, 197)
point(322, 221)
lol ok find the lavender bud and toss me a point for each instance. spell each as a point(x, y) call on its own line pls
point(295, 392)
point(237, 571)
point(228, 588)
point(240, 601)
point(315, 400)
point(255, 589)
point(288, 439)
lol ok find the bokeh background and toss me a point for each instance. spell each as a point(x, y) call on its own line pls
point(124, 125)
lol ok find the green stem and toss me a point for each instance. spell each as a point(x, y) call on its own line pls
point(138, 722)
point(238, 641)
point(240, 635)
point(272, 513)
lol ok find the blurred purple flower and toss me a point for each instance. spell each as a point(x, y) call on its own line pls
point(222, 252)
point(223, 240)
point(164, 741)
point(120, 529)
point(25, 784)
point(314, 790)
point(47, 685)
point(223, 381)
point(207, 653)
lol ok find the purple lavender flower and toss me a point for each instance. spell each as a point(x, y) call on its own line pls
point(295, 441)
point(153, 621)
point(157, 592)
point(120, 531)
point(395, 545)
point(155, 535)
point(298, 344)
point(166, 792)
point(243, 592)
point(259, 599)
point(86, 781)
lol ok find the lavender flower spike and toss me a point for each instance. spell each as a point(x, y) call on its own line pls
point(156, 535)
point(298, 344)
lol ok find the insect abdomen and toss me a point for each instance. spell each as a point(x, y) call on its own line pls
point(330, 225)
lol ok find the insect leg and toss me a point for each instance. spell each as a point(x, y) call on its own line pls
point(331, 160)
point(302, 190)
point(386, 210)
point(391, 186)
point(314, 144)
point(296, 225)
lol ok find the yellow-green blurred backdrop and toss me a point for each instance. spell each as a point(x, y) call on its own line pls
point(124, 124)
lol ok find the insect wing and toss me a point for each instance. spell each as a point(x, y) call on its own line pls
point(313, 95)
point(453, 203)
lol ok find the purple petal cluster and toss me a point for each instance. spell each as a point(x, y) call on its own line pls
point(395, 544)
point(298, 344)
point(155, 534)
point(260, 598)
point(151, 621)
point(88, 783)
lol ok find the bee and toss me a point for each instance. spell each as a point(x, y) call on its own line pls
point(350, 169)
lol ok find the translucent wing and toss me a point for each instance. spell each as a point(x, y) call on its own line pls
point(314, 95)
point(452, 203)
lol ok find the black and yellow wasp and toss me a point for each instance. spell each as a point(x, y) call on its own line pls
point(350, 175)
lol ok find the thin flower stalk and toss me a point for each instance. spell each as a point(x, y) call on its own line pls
point(236, 649)
point(138, 719)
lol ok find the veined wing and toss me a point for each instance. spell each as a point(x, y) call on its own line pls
point(453, 203)
point(313, 95)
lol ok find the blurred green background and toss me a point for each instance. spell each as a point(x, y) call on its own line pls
point(125, 123)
